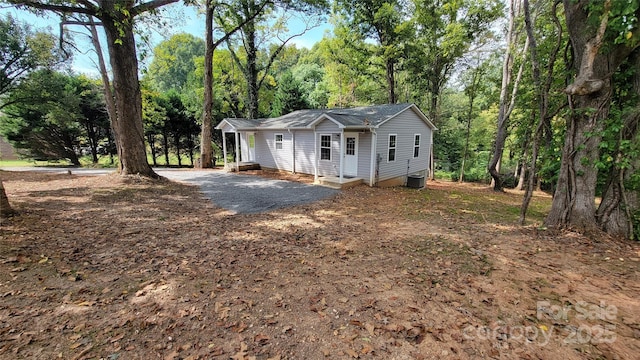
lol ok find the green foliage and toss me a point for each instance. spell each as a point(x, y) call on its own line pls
point(289, 96)
point(22, 51)
point(47, 114)
point(174, 63)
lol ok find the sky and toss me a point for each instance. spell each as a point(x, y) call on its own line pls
point(180, 18)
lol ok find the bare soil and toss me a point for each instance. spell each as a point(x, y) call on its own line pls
point(110, 268)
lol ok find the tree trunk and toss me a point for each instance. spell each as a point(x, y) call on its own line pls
point(176, 143)
point(128, 128)
point(391, 80)
point(5, 207)
point(106, 83)
point(151, 139)
point(252, 69)
point(506, 104)
point(589, 97)
point(93, 141)
point(165, 145)
point(206, 150)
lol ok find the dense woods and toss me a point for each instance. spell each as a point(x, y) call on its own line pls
point(535, 95)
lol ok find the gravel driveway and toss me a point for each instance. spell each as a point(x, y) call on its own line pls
point(242, 194)
point(246, 194)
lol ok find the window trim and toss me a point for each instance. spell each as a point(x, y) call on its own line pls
point(394, 148)
point(330, 147)
point(276, 142)
point(416, 138)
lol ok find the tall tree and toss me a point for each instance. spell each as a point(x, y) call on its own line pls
point(543, 96)
point(603, 35)
point(507, 99)
point(446, 29)
point(174, 62)
point(256, 36)
point(117, 18)
point(206, 149)
point(23, 51)
point(289, 96)
point(45, 120)
point(387, 22)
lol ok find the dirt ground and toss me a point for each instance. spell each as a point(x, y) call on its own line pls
point(110, 268)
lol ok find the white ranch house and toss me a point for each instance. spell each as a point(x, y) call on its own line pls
point(378, 145)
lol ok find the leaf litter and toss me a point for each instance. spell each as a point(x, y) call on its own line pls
point(104, 267)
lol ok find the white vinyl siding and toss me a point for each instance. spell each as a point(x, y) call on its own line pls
point(326, 167)
point(405, 126)
point(392, 147)
point(267, 154)
point(416, 145)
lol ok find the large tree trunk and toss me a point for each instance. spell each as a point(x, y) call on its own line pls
point(206, 150)
point(589, 97)
point(106, 83)
point(391, 80)
point(506, 104)
point(128, 126)
point(5, 207)
point(252, 68)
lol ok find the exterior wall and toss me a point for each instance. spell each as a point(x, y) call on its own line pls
point(266, 153)
point(405, 126)
point(364, 156)
point(332, 167)
point(305, 151)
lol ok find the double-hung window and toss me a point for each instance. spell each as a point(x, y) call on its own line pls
point(325, 147)
point(278, 141)
point(393, 143)
point(416, 145)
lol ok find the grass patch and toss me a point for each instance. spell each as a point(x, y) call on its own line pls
point(473, 204)
point(16, 163)
point(450, 257)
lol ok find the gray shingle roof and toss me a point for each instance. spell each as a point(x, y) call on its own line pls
point(358, 117)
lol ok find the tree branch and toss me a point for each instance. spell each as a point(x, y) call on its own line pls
point(89, 8)
point(585, 84)
point(148, 6)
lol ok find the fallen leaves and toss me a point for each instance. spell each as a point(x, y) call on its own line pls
point(125, 267)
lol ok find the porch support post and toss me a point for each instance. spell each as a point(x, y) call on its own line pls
point(237, 151)
point(316, 155)
point(224, 149)
point(342, 142)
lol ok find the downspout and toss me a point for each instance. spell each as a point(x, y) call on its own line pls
point(341, 155)
point(237, 151)
point(374, 144)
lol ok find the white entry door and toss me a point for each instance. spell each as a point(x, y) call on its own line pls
point(351, 154)
point(252, 147)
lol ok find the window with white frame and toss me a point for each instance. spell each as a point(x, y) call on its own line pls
point(392, 147)
point(416, 145)
point(325, 147)
point(278, 141)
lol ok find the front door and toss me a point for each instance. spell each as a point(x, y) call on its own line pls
point(252, 147)
point(351, 154)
